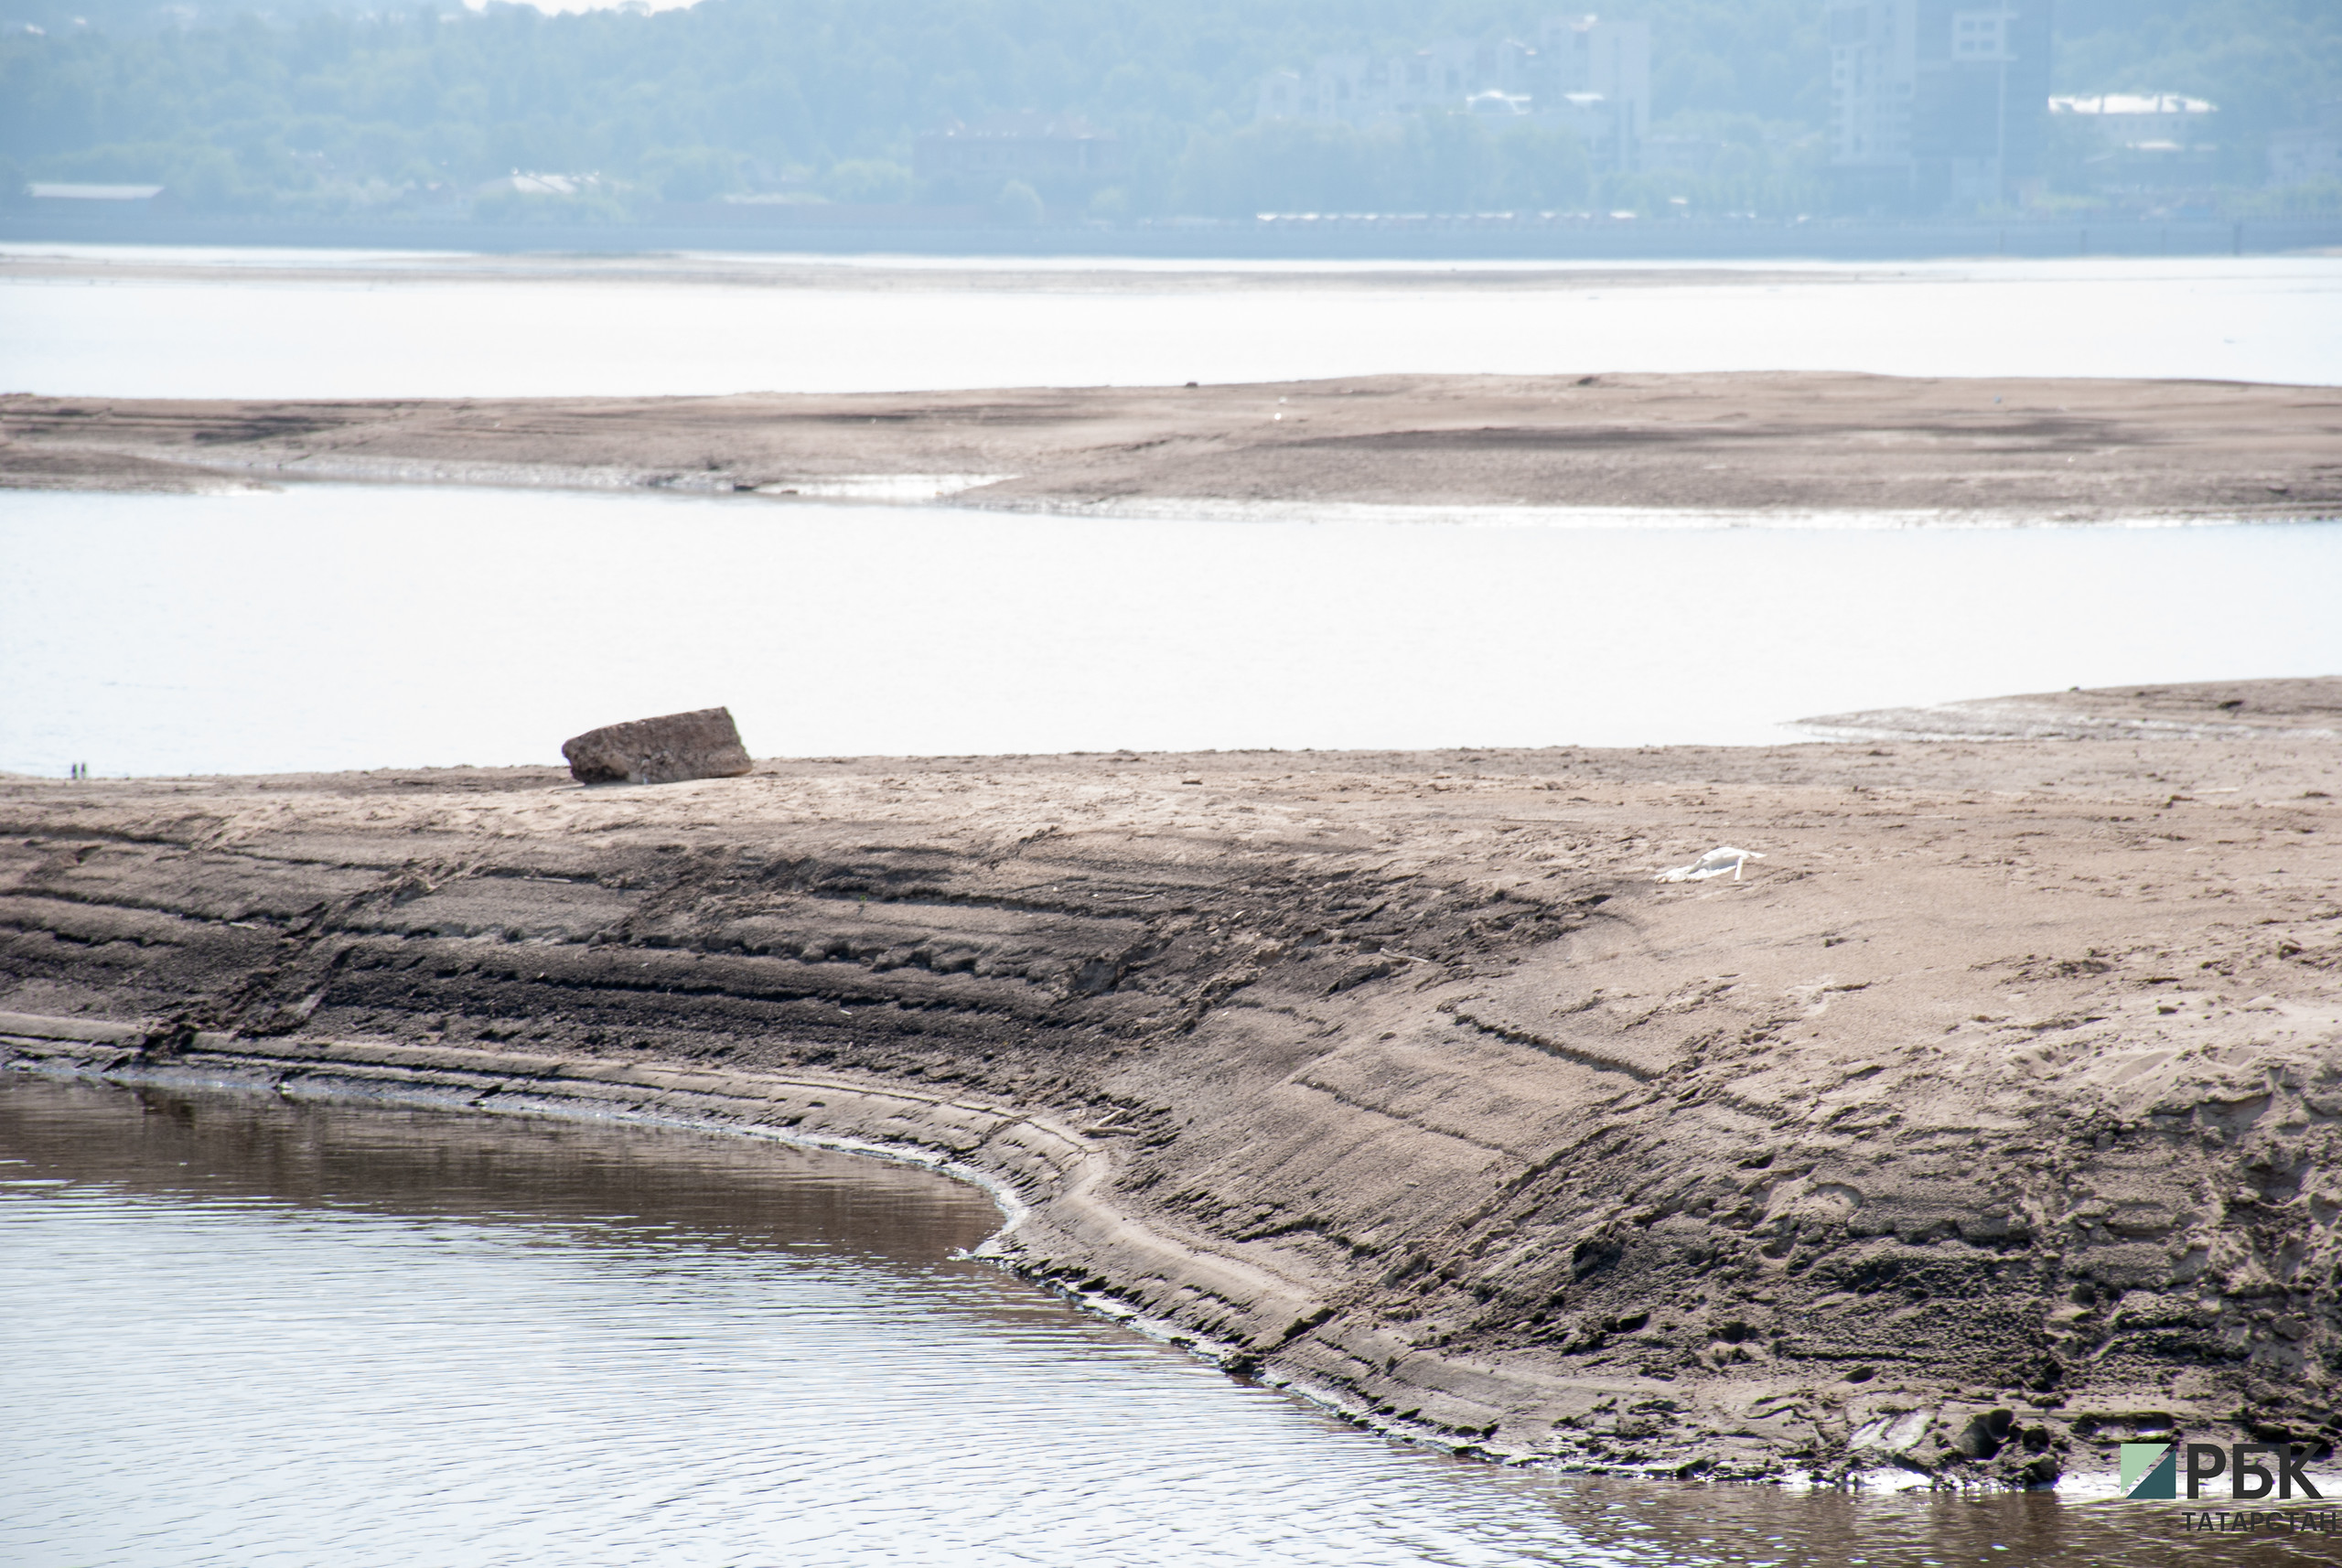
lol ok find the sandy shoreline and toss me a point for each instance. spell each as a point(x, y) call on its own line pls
point(2007, 1080)
point(2019, 450)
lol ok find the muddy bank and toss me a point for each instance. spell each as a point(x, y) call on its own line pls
point(2035, 450)
point(2008, 1080)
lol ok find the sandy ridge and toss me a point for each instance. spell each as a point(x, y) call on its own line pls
point(2032, 450)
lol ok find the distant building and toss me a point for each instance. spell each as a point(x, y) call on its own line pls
point(1600, 72)
point(1936, 103)
point(2128, 119)
point(2143, 140)
point(1063, 157)
point(99, 200)
point(1360, 90)
point(525, 183)
point(1590, 74)
point(1495, 105)
point(2311, 152)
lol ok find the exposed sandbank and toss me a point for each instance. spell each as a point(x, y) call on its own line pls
point(2031, 450)
point(2010, 1079)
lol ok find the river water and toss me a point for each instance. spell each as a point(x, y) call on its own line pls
point(344, 626)
point(331, 626)
point(247, 1333)
point(99, 321)
point(239, 1332)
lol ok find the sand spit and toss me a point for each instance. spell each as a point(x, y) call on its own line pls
point(2078, 451)
point(2210, 710)
point(2009, 1079)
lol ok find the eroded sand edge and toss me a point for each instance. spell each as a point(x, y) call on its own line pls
point(2010, 1078)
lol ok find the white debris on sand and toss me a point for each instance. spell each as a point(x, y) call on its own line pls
point(1715, 863)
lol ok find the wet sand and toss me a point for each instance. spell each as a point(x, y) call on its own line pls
point(2006, 1079)
point(2034, 450)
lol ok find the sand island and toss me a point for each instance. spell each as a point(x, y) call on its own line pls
point(2033, 450)
point(1988, 1120)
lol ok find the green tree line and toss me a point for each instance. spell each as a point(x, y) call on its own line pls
point(325, 108)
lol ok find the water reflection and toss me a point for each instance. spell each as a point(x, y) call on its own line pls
point(243, 1332)
point(609, 1183)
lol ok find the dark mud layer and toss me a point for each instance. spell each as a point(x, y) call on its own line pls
point(2007, 1081)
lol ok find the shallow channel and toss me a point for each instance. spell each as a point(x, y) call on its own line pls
point(353, 625)
point(238, 1331)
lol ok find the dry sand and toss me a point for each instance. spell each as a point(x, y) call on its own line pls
point(2009, 1079)
point(2037, 450)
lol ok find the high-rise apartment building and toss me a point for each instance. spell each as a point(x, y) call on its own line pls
point(1936, 103)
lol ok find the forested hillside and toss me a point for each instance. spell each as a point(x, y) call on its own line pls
point(321, 107)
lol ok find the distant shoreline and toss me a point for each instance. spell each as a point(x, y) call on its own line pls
point(1965, 451)
point(1428, 238)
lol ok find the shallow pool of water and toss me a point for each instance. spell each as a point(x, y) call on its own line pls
point(247, 1333)
point(327, 626)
